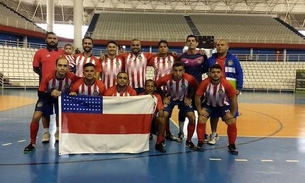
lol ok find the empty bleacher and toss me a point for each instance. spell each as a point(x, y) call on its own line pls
point(12, 19)
point(174, 27)
point(148, 27)
point(16, 66)
point(245, 28)
point(270, 76)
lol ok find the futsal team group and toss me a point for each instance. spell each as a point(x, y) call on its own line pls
point(177, 82)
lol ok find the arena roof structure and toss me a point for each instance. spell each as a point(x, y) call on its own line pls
point(290, 11)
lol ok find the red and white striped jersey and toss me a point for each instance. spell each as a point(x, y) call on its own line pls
point(163, 65)
point(80, 87)
point(50, 82)
point(81, 60)
point(110, 70)
point(216, 95)
point(71, 60)
point(177, 90)
point(135, 67)
point(113, 91)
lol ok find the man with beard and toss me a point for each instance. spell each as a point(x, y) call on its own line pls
point(111, 65)
point(219, 98)
point(135, 63)
point(122, 88)
point(180, 90)
point(232, 71)
point(87, 57)
point(45, 58)
point(43, 64)
point(89, 84)
point(163, 64)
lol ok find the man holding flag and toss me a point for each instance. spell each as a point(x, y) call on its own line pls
point(158, 122)
point(50, 89)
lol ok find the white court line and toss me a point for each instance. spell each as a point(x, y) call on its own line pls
point(292, 161)
point(21, 140)
point(215, 159)
point(6, 144)
point(266, 160)
point(241, 160)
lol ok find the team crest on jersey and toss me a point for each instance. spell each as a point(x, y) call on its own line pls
point(67, 87)
point(230, 62)
point(95, 93)
point(117, 63)
point(39, 104)
point(140, 57)
point(199, 60)
point(220, 91)
point(183, 86)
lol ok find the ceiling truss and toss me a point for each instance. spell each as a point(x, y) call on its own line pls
point(290, 11)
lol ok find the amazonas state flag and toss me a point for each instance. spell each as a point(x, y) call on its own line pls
point(92, 124)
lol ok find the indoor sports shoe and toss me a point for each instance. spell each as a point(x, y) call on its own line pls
point(190, 145)
point(232, 149)
point(200, 145)
point(160, 148)
point(163, 143)
point(46, 137)
point(28, 149)
point(206, 138)
point(213, 139)
point(171, 137)
point(56, 135)
point(180, 137)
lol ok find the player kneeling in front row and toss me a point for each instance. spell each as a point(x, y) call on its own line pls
point(181, 88)
point(50, 88)
point(159, 120)
point(220, 98)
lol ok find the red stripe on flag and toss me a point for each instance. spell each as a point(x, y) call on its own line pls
point(106, 123)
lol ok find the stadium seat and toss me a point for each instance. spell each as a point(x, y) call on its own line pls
point(270, 75)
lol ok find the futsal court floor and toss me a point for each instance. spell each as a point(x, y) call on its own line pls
point(271, 144)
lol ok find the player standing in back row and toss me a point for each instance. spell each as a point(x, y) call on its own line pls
point(194, 63)
point(43, 64)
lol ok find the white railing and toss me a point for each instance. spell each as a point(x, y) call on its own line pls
point(271, 57)
point(20, 44)
point(16, 69)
